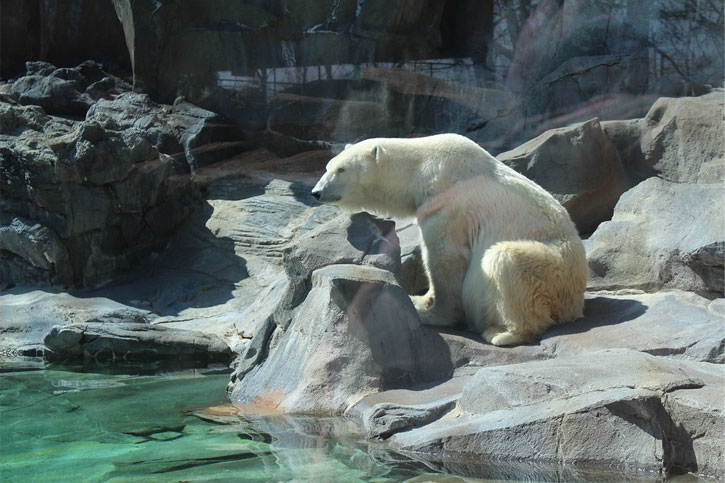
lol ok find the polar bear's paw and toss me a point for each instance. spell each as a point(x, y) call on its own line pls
point(425, 306)
point(499, 336)
point(423, 303)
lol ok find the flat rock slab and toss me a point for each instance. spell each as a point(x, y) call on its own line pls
point(675, 324)
point(26, 317)
point(132, 342)
point(613, 408)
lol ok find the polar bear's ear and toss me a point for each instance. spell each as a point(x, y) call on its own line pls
point(377, 152)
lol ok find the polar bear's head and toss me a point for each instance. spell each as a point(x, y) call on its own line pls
point(350, 176)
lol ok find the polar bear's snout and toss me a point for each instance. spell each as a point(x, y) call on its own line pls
point(324, 193)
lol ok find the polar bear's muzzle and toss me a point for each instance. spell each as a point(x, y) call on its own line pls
point(322, 192)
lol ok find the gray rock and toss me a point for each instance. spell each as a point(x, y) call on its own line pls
point(679, 140)
point(355, 334)
point(385, 419)
point(675, 324)
point(120, 342)
point(102, 192)
point(579, 165)
point(26, 316)
point(682, 139)
point(604, 408)
point(698, 426)
point(53, 94)
point(662, 235)
point(358, 239)
point(191, 134)
point(412, 276)
point(39, 245)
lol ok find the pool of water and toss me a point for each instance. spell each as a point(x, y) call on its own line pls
point(81, 424)
point(70, 425)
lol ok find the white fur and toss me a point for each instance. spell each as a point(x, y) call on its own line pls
point(499, 251)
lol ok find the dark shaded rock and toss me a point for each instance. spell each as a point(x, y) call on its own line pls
point(188, 133)
point(38, 245)
point(579, 166)
point(129, 342)
point(54, 94)
point(412, 276)
point(60, 32)
point(38, 67)
point(106, 196)
point(657, 240)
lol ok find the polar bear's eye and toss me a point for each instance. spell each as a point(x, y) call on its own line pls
point(340, 170)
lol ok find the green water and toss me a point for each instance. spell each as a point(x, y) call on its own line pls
point(60, 425)
point(87, 425)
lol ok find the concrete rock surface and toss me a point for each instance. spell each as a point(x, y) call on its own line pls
point(356, 333)
point(607, 408)
point(663, 235)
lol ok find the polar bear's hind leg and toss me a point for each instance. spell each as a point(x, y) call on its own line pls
point(530, 288)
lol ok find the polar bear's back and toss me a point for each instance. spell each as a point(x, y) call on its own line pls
point(452, 169)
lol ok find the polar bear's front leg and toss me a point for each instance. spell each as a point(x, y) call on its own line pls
point(445, 262)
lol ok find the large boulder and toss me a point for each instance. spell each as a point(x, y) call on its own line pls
point(189, 133)
point(28, 315)
point(356, 333)
point(615, 408)
point(579, 165)
point(662, 235)
point(682, 139)
point(679, 140)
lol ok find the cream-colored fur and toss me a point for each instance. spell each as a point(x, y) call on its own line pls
point(500, 252)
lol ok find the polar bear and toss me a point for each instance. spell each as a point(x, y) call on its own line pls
point(499, 251)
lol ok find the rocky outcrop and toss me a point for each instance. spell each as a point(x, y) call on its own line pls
point(679, 140)
point(662, 235)
point(356, 333)
point(86, 197)
point(609, 408)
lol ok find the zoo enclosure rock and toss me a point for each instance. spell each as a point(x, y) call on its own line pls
point(662, 235)
point(83, 199)
point(620, 419)
point(679, 140)
point(132, 342)
point(356, 333)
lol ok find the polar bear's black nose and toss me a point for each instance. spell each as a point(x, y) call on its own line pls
point(316, 195)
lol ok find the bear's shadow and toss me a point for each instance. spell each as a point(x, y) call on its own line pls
point(600, 311)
